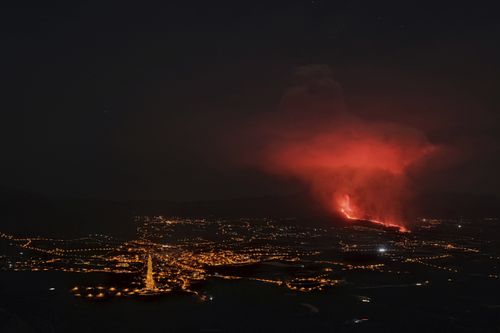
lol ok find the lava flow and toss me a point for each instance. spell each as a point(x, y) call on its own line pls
point(348, 211)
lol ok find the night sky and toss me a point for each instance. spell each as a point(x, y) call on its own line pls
point(132, 100)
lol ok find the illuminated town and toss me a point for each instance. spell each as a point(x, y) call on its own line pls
point(177, 255)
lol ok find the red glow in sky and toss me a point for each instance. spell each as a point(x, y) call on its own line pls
point(358, 169)
point(355, 168)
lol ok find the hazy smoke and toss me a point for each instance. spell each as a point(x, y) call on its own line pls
point(313, 138)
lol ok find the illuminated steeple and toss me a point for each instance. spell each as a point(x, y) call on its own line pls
point(150, 282)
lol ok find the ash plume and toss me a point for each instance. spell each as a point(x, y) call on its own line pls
point(315, 139)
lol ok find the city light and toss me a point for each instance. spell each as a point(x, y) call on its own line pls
point(164, 259)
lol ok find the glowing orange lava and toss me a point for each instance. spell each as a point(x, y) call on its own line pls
point(348, 211)
point(345, 207)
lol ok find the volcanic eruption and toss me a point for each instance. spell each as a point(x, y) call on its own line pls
point(358, 169)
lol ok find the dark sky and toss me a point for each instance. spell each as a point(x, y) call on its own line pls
point(130, 100)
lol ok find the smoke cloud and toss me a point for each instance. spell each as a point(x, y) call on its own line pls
point(354, 167)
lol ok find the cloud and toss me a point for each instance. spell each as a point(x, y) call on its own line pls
point(314, 139)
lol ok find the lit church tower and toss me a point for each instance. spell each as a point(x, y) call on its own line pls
point(150, 282)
